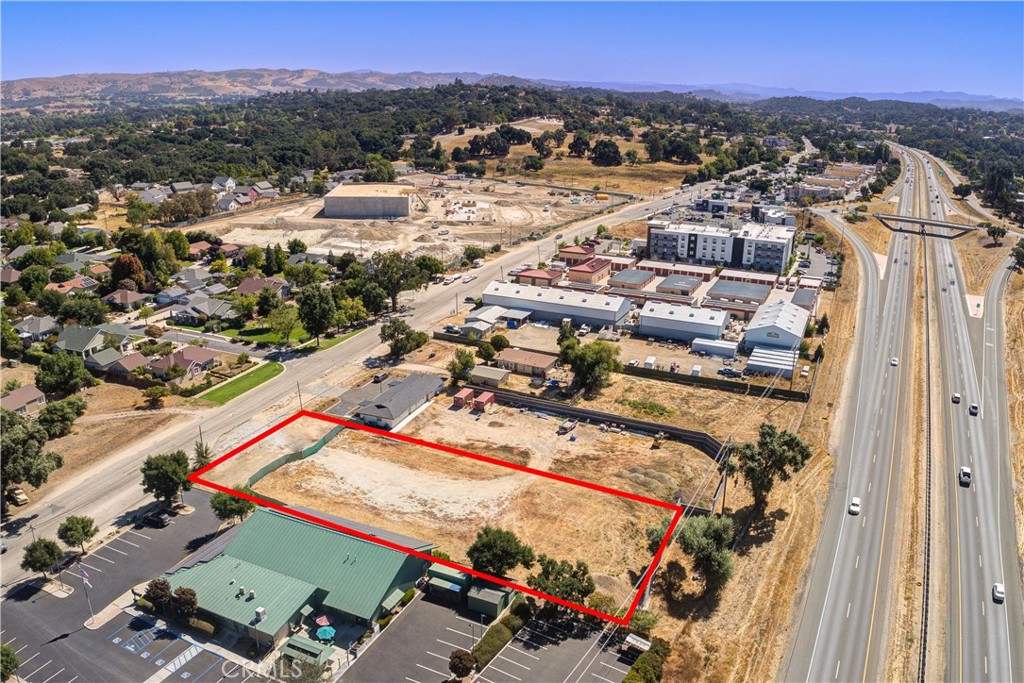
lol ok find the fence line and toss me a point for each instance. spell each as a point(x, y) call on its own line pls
point(292, 457)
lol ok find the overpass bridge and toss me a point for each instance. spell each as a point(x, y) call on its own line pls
point(955, 229)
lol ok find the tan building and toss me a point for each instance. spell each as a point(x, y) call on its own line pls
point(572, 255)
point(592, 272)
point(526, 362)
point(369, 200)
point(538, 278)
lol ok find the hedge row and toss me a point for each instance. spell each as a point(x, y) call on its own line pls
point(649, 667)
point(203, 627)
point(496, 638)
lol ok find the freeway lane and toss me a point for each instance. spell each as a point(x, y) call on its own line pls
point(840, 634)
point(980, 646)
point(111, 490)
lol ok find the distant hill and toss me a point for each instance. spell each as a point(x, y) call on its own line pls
point(84, 92)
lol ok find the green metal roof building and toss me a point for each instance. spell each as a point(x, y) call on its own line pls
point(258, 580)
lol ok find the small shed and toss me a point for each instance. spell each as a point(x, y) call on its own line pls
point(477, 329)
point(444, 579)
point(483, 401)
point(715, 347)
point(462, 398)
point(302, 649)
point(489, 599)
point(488, 376)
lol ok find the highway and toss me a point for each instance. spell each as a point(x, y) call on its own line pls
point(111, 490)
point(841, 629)
point(982, 636)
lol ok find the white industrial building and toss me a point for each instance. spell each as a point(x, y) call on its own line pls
point(770, 361)
point(779, 325)
point(757, 246)
point(369, 200)
point(556, 303)
point(674, 321)
point(715, 347)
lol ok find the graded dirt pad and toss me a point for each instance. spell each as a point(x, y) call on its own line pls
point(446, 498)
point(979, 258)
point(1014, 317)
point(746, 636)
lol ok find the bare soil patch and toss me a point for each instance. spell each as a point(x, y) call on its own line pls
point(979, 258)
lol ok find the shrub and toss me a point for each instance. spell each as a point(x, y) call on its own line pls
point(144, 604)
point(204, 627)
point(408, 596)
point(154, 331)
point(521, 608)
point(35, 355)
point(512, 622)
point(491, 644)
point(385, 620)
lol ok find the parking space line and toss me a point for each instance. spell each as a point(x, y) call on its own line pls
point(54, 675)
point(173, 641)
point(29, 659)
point(413, 680)
point(18, 651)
point(539, 633)
point(90, 567)
point(459, 632)
point(11, 640)
point(138, 534)
point(103, 558)
point(437, 655)
point(445, 642)
point(427, 668)
point(513, 662)
point(39, 669)
point(523, 652)
point(505, 672)
point(601, 677)
point(485, 680)
point(74, 679)
point(123, 540)
point(219, 658)
point(110, 547)
point(536, 645)
point(622, 671)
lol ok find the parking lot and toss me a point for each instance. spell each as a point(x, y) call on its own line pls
point(569, 650)
point(416, 646)
point(48, 633)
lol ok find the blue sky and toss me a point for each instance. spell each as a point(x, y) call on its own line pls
point(829, 46)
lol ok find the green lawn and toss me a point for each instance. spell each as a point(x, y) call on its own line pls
point(238, 386)
point(259, 333)
point(328, 343)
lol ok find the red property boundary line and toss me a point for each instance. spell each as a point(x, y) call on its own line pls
point(677, 511)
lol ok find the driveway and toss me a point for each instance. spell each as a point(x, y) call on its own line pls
point(415, 647)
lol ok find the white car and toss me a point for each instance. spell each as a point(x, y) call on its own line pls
point(956, 398)
point(854, 508)
point(998, 592)
point(965, 476)
point(894, 361)
point(469, 278)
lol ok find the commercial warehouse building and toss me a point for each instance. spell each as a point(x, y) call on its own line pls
point(683, 285)
point(672, 321)
point(754, 246)
point(632, 278)
point(770, 361)
point(274, 571)
point(779, 325)
point(730, 290)
point(369, 200)
point(555, 303)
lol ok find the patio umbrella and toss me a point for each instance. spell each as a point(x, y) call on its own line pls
point(325, 632)
point(324, 620)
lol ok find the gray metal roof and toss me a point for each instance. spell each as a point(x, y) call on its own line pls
point(683, 282)
point(727, 289)
point(804, 296)
point(401, 397)
point(631, 276)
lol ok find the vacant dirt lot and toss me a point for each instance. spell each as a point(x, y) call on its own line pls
point(447, 498)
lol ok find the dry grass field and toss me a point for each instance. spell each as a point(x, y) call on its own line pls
point(1014, 317)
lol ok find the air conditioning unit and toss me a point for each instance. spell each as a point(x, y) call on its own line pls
point(261, 614)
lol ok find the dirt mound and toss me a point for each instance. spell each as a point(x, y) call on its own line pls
point(503, 202)
point(423, 239)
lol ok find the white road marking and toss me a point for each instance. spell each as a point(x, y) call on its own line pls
point(136, 545)
point(536, 645)
point(18, 651)
point(445, 676)
point(513, 662)
point(38, 670)
point(857, 563)
point(837, 668)
point(110, 547)
point(459, 632)
point(523, 652)
point(445, 642)
point(601, 677)
point(54, 675)
point(505, 672)
point(103, 558)
point(437, 655)
point(622, 671)
point(91, 567)
point(848, 610)
point(413, 680)
point(138, 534)
point(869, 487)
point(30, 659)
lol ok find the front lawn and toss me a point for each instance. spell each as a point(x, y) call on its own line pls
point(238, 386)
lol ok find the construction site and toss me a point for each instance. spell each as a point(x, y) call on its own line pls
point(447, 498)
point(445, 215)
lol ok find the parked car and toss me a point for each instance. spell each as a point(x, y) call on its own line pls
point(17, 496)
point(158, 519)
point(380, 377)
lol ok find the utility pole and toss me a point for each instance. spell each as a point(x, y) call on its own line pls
point(299, 390)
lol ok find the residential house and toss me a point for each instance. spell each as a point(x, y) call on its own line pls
point(201, 308)
point(399, 400)
point(227, 203)
point(487, 376)
point(173, 294)
point(99, 270)
point(526, 362)
point(223, 183)
point(18, 252)
point(194, 360)
point(197, 250)
point(9, 275)
point(305, 257)
point(25, 401)
point(243, 200)
point(79, 340)
point(75, 285)
point(182, 187)
point(214, 289)
point(77, 209)
point(153, 197)
point(192, 273)
point(230, 251)
point(253, 285)
point(35, 328)
point(140, 187)
point(125, 299)
point(126, 365)
point(103, 359)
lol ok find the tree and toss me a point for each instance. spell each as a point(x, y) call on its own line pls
point(296, 246)
point(565, 332)
point(707, 540)
point(378, 170)
point(9, 662)
point(145, 312)
point(500, 342)
point(819, 354)
point(461, 663)
point(486, 352)
point(865, 192)
point(633, 157)
point(461, 366)
point(963, 191)
point(77, 530)
point(226, 506)
point(774, 456)
point(823, 324)
point(185, 601)
point(244, 306)
point(267, 300)
point(24, 460)
point(497, 552)
point(202, 455)
point(643, 622)
point(655, 534)
point(33, 279)
point(41, 556)
point(138, 212)
point(592, 364)
point(253, 258)
point(84, 309)
point(374, 298)
point(395, 272)
point(1018, 254)
point(471, 253)
point(533, 163)
point(62, 373)
point(155, 396)
point(177, 241)
point(561, 579)
point(393, 329)
point(316, 310)
point(606, 153)
point(164, 475)
point(282, 321)
point(58, 416)
point(580, 145)
point(61, 274)
point(996, 232)
point(128, 267)
point(158, 592)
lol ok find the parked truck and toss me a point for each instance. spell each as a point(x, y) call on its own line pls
point(649, 363)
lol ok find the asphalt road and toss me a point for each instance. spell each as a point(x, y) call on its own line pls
point(982, 546)
point(111, 490)
point(841, 630)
